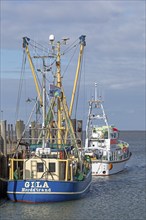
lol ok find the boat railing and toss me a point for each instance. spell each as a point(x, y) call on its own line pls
point(116, 155)
point(34, 140)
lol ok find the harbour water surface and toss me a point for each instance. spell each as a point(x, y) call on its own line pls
point(118, 197)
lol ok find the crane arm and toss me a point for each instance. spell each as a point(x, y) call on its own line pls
point(25, 46)
point(82, 44)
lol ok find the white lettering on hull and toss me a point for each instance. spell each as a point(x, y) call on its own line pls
point(36, 187)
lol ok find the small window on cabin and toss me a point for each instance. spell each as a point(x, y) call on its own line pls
point(40, 167)
point(94, 130)
point(52, 167)
point(106, 135)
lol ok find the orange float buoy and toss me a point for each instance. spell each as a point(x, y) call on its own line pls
point(110, 166)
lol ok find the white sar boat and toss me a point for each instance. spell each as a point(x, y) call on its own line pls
point(108, 154)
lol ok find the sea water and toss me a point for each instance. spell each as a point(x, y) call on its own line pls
point(118, 197)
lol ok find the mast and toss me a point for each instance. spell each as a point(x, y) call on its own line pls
point(58, 99)
point(88, 124)
point(102, 108)
point(44, 103)
point(95, 92)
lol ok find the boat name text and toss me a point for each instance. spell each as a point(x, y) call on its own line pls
point(36, 187)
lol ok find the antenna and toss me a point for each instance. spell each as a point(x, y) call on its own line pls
point(65, 39)
point(95, 92)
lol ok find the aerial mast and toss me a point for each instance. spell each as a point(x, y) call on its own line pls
point(44, 102)
point(59, 86)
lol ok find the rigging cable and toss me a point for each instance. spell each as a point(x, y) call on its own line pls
point(70, 61)
point(38, 55)
point(84, 91)
point(20, 85)
point(23, 133)
point(40, 47)
point(71, 46)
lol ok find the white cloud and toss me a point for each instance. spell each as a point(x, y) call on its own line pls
point(127, 84)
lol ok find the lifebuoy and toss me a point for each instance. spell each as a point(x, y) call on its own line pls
point(124, 149)
point(61, 155)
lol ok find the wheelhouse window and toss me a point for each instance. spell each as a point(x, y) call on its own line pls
point(106, 135)
point(52, 167)
point(40, 167)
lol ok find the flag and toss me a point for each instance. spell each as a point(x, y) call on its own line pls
point(55, 91)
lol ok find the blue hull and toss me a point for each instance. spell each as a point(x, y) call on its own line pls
point(39, 191)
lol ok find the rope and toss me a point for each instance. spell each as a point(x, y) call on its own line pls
point(39, 47)
point(69, 123)
point(71, 46)
point(20, 85)
point(84, 96)
point(27, 124)
point(69, 61)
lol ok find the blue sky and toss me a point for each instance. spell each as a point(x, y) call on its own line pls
point(114, 55)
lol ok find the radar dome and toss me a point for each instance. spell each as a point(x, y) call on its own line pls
point(51, 37)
